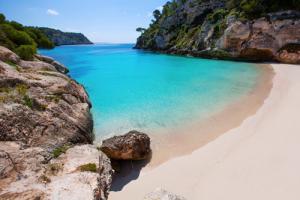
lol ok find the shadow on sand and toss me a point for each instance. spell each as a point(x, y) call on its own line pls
point(127, 172)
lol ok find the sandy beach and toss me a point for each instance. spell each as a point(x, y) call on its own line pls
point(255, 160)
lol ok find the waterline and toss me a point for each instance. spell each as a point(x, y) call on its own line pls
point(131, 89)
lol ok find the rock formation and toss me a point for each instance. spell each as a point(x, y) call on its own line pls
point(209, 29)
point(44, 114)
point(132, 146)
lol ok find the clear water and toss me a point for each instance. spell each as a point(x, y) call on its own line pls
point(132, 89)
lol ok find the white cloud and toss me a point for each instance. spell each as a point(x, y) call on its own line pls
point(52, 12)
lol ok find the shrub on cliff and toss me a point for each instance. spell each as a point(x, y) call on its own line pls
point(2, 18)
point(26, 52)
point(40, 38)
point(257, 8)
point(21, 39)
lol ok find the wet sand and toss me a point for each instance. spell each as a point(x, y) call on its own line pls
point(182, 141)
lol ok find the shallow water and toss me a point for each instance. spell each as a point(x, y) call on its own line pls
point(132, 89)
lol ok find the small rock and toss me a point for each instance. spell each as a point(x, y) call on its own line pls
point(131, 146)
point(161, 194)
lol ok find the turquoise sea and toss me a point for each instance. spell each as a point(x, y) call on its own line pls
point(132, 89)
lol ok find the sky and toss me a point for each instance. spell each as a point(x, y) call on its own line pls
point(111, 21)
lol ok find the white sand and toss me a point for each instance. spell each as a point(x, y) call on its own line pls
point(258, 160)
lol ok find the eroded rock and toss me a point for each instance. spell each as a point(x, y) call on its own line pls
point(41, 111)
point(35, 106)
point(58, 66)
point(131, 146)
point(71, 183)
point(7, 55)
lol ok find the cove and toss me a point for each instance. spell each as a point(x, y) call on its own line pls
point(132, 89)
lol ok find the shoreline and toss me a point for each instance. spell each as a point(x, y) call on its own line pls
point(183, 141)
point(251, 161)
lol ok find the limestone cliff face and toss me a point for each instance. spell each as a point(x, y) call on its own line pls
point(208, 29)
point(43, 112)
point(41, 106)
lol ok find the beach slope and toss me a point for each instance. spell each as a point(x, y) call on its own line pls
point(257, 160)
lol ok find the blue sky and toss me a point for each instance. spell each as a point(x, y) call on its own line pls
point(100, 20)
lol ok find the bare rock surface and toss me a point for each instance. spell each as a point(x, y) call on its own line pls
point(61, 178)
point(40, 106)
point(132, 146)
point(43, 112)
point(58, 66)
point(161, 194)
point(8, 55)
point(71, 183)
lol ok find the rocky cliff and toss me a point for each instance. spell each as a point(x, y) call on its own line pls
point(208, 28)
point(44, 116)
point(65, 38)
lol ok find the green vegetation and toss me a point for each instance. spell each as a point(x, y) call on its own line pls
point(16, 67)
point(60, 150)
point(21, 39)
point(256, 8)
point(91, 167)
point(218, 15)
point(173, 29)
point(141, 30)
point(54, 98)
point(5, 89)
point(64, 38)
point(219, 29)
point(26, 52)
point(22, 89)
point(28, 101)
point(19, 94)
point(185, 35)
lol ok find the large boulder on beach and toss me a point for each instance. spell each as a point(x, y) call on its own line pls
point(132, 146)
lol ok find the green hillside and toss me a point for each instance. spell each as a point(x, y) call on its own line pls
point(22, 40)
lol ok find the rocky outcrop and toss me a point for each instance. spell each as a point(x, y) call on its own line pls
point(132, 146)
point(59, 178)
point(161, 194)
point(69, 181)
point(58, 66)
point(209, 29)
point(104, 179)
point(7, 55)
point(65, 38)
point(43, 112)
point(42, 107)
